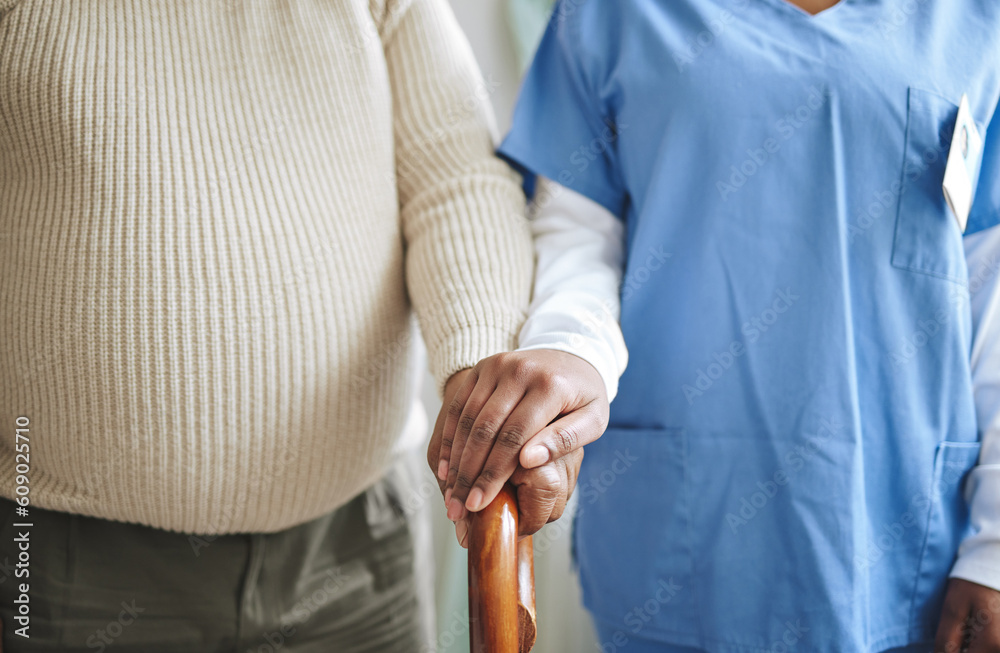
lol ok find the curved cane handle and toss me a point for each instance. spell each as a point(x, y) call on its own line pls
point(501, 580)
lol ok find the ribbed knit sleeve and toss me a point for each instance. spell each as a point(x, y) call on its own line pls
point(468, 248)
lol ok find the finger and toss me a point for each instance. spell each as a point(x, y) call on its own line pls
point(949, 638)
point(573, 462)
point(951, 629)
point(566, 434)
point(535, 410)
point(537, 493)
point(453, 413)
point(483, 443)
point(985, 642)
point(434, 446)
point(569, 470)
point(477, 400)
point(984, 630)
point(562, 498)
point(474, 404)
point(462, 533)
point(433, 450)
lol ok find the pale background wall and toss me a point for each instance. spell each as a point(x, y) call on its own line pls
point(564, 627)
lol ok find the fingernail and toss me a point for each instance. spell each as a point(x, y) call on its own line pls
point(454, 510)
point(475, 500)
point(447, 496)
point(462, 532)
point(536, 455)
point(443, 470)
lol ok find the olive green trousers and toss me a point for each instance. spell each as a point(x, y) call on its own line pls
point(355, 580)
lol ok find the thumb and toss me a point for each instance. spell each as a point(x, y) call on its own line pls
point(537, 495)
point(562, 437)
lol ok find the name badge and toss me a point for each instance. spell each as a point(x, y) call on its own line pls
point(962, 171)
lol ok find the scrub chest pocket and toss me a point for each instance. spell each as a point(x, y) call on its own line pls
point(927, 238)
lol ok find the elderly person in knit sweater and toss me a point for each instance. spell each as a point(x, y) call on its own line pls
point(218, 220)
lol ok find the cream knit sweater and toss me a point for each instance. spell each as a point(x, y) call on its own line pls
point(214, 217)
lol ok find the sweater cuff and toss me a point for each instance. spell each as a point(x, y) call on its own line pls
point(466, 346)
point(979, 564)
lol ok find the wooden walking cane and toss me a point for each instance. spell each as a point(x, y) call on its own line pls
point(501, 580)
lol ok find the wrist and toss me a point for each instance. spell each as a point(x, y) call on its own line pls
point(591, 358)
point(454, 382)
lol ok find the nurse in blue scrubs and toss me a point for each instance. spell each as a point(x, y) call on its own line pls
point(788, 451)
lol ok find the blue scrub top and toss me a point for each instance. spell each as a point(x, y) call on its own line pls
point(786, 455)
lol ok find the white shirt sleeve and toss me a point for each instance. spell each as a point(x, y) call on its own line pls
point(979, 555)
point(580, 252)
